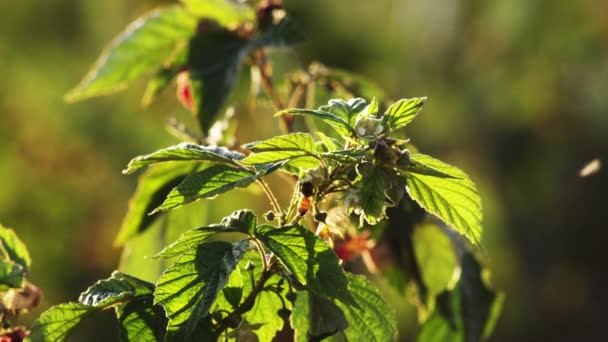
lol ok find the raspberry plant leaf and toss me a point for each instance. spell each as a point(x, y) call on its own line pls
point(214, 58)
point(188, 288)
point(225, 12)
point(141, 320)
point(12, 275)
point(340, 114)
point(186, 152)
point(370, 317)
point(373, 187)
point(207, 183)
point(14, 248)
point(454, 200)
point(240, 222)
point(312, 261)
point(153, 186)
point(283, 147)
point(266, 311)
point(142, 48)
point(115, 289)
point(436, 258)
point(402, 112)
point(466, 314)
point(315, 318)
point(55, 323)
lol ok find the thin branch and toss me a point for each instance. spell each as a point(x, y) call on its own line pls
point(271, 197)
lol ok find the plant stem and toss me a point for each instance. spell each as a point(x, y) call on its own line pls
point(271, 197)
point(263, 65)
point(247, 303)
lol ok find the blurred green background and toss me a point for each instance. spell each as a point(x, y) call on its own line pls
point(517, 98)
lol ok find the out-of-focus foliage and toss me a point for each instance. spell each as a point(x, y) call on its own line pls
point(517, 93)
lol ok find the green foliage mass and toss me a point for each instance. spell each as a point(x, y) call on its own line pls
point(239, 279)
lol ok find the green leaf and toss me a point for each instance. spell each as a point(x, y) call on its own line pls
point(184, 152)
point(283, 147)
point(370, 317)
point(141, 48)
point(116, 289)
point(192, 239)
point(233, 291)
point(419, 163)
point(402, 112)
point(331, 144)
point(189, 287)
point(345, 156)
point(243, 220)
point(466, 314)
point(141, 321)
point(395, 186)
point(436, 258)
point(207, 183)
point(265, 312)
point(14, 248)
point(11, 275)
point(340, 114)
point(153, 187)
point(55, 323)
point(454, 200)
point(373, 186)
point(311, 260)
point(314, 318)
point(225, 12)
point(214, 59)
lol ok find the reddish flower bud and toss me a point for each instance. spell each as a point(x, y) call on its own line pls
point(184, 90)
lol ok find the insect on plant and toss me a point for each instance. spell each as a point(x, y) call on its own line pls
point(366, 205)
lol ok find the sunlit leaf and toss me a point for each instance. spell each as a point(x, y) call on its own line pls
point(240, 223)
point(193, 238)
point(345, 156)
point(300, 148)
point(226, 12)
point(14, 248)
point(402, 112)
point(11, 275)
point(265, 312)
point(153, 187)
point(115, 289)
point(189, 287)
point(436, 258)
point(453, 200)
point(370, 317)
point(141, 48)
point(310, 259)
point(141, 321)
point(468, 313)
point(207, 183)
point(314, 317)
point(55, 323)
point(340, 114)
point(184, 152)
point(373, 187)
